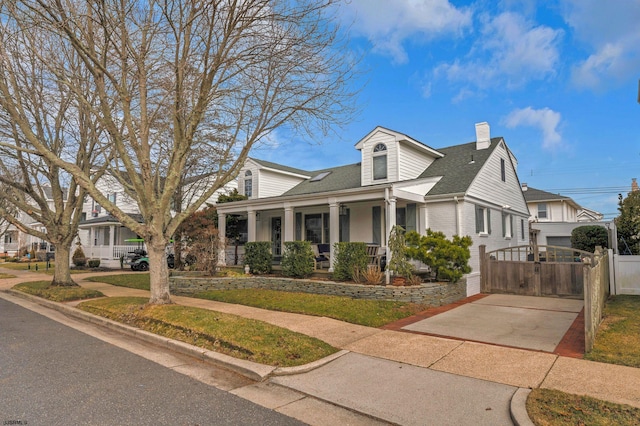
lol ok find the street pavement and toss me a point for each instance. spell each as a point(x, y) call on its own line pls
point(54, 375)
point(408, 378)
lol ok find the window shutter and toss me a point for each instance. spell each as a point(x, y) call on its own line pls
point(411, 218)
point(488, 221)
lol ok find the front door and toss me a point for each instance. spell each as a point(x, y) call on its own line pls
point(276, 236)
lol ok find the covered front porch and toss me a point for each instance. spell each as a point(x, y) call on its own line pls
point(105, 238)
point(363, 215)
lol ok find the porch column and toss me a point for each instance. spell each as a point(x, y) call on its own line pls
point(423, 222)
point(222, 243)
point(334, 230)
point(391, 222)
point(112, 241)
point(251, 225)
point(391, 217)
point(289, 224)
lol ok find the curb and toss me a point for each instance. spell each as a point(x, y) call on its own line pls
point(252, 370)
point(518, 408)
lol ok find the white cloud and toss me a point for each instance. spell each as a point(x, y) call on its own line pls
point(388, 24)
point(545, 119)
point(510, 52)
point(610, 31)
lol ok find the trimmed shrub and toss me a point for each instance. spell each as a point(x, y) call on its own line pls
point(94, 263)
point(257, 255)
point(448, 259)
point(297, 259)
point(78, 258)
point(588, 237)
point(350, 259)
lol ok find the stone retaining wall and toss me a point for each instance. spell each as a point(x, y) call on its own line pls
point(433, 294)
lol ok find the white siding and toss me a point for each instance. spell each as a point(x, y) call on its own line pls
point(251, 166)
point(557, 211)
point(412, 162)
point(273, 184)
point(360, 226)
point(367, 158)
point(488, 185)
point(442, 217)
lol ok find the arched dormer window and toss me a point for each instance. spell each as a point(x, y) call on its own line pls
point(380, 162)
point(248, 183)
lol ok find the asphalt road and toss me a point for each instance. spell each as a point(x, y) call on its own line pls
point(51, 374)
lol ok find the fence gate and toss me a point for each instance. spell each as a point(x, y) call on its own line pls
point(548, 271)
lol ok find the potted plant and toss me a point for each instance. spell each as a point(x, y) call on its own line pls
point(399, 263)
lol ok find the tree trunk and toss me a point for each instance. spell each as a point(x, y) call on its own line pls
point(158, 274)
point(61, 271)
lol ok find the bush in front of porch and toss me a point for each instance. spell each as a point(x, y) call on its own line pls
point(297, 259)
point(257, 255)
point(350, 257)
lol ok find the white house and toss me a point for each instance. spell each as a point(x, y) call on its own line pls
point(555, 216)
point(469, 189)
point(102, 236)
point(13, 239)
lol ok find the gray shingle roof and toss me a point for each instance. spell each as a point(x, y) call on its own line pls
point(110, 219)
point(277, 166)
point(340, 178)
point(532, 195)
point(458, 168)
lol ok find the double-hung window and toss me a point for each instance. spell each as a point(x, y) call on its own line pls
point(507, 225)
point(542, 211)
point(483, 220)
point(380, 162)
point(248, 184)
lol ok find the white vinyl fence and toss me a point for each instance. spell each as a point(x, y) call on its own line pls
point(626, 275)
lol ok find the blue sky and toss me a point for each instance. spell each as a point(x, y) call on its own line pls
point(557, 79)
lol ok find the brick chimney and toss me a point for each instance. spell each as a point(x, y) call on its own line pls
point(634, 185)
point(483, 136)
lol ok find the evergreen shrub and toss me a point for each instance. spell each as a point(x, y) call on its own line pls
point(257, 255)
point(350, 258)
point(297, 259)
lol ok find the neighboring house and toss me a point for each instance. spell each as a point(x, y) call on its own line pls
point(13, 239)
point(554, 216)
point(470, 189)
point(102, 236)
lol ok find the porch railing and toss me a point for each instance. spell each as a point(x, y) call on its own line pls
point(109, 252)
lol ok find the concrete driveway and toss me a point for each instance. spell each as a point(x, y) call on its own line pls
point(527, 322)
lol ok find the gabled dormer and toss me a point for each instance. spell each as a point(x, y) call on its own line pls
point(389, 156)
point(260, 179)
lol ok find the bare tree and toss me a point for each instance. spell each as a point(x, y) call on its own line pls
point(36, 189)
point(176, 77)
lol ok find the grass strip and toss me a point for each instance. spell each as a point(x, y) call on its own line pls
point(3, 276)
point(229, 334)
point(41, 267)
point(618, 338)
point(56, 293)
point(139, 281)
point(547, 407)
point(371, 313)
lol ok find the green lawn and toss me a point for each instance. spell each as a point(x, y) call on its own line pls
point(548, 407)
point(618, 338)
point(372, 313)
point(229, 334)
point(57, 294)
point(138, 280)
point(37, 267)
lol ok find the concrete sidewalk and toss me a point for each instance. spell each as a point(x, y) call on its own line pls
point(443, 363)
